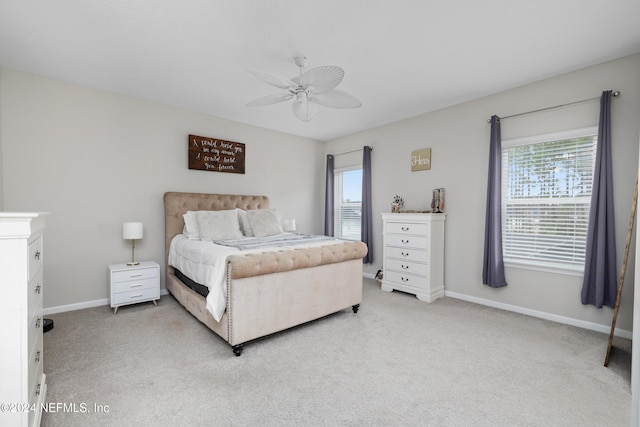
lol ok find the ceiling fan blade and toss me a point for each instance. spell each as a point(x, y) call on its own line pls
point(273, 79)
point(336, 98)
point(322, 78)
point(270, 99)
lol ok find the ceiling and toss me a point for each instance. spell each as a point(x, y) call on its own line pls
point(401, 58)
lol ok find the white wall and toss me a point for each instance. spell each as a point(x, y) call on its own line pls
point(459, 139)
point(95, 160)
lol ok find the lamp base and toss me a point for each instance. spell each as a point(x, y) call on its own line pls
point(133, 263)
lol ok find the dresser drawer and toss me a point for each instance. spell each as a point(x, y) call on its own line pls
point(134, 274)
point(34, 362)
point(134, 285)
point(135, 296)
point(407, 228)
point(34, 257)
point(405, 279)
point(419, 255)
point(406, 241)
point(407, 267)
point(34, 293)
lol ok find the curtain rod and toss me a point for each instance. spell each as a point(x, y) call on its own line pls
point(352, 151)
point(615, 93)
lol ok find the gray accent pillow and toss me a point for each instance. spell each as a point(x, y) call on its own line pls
point(264, 222)
point(218, 225)
point(245, 225)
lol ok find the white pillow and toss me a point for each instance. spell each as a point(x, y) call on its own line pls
point(264, 222)
point(218, 225)
point(190, 226)
point(245, 225)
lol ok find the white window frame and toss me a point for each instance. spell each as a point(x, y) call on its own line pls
point(338, 205)
point(538, 265)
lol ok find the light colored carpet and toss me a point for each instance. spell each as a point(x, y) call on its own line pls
point(398, 362)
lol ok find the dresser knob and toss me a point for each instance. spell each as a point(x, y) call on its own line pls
point(404, 267)
point(37, 289)
point(405, 228)
point(405, 241)
point(37, 358)
point(38, 390)
point(404, 279)
point(37, 255)
point(37, 323)
point(404, 253)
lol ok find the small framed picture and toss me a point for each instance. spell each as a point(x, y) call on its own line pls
point(421, 160)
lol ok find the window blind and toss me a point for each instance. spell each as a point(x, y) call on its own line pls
point(348, 204)
point(546, 188)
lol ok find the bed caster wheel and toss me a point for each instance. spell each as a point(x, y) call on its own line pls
point(237, 349)
point(355, 308)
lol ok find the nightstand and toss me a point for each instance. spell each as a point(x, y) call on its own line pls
point(131, 284)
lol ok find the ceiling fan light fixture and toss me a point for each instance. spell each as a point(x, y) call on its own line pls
point(302, 108)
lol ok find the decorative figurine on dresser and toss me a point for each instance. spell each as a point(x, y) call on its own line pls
point(413, 252)
point(22, 380)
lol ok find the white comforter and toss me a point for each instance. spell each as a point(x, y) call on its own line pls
point(205, 262)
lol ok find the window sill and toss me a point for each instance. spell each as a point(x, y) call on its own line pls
point(571, 271)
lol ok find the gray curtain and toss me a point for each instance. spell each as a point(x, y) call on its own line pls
point(328, 198)
point(366, 227)
point(493, 264)
point(599, 283)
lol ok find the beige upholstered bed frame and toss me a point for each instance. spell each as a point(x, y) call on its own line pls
point(267, 292)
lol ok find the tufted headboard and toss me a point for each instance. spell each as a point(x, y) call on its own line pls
point(177, 204)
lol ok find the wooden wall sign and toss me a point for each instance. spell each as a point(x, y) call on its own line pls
point(218, 155)
point(421, 160)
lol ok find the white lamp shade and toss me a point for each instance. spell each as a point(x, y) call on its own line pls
point(132, 230)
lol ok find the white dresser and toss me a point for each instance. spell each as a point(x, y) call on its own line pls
point(131, 284)
point(413, 251)
point(22, 381)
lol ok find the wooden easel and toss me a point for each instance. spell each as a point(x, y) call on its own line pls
point(622, 271)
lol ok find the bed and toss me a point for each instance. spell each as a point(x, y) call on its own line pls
point(265, 290)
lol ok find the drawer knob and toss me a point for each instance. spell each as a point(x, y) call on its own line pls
point(404, 279)
point(136, 296)
point(405, 241)
point(38, 321)
point(37, 290)
point(405, 253)
point(37, 358)
point(405, 228)
point(37, 255)
point(404, 267)
point(38, 390)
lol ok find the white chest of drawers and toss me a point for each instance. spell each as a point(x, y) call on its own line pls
point(130, 284)
point(22, 381)
point(413, 251)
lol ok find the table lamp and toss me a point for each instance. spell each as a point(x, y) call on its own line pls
point(132, 231)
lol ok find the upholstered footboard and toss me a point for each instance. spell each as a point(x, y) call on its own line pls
point(271, 291)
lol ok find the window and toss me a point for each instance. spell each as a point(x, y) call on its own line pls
point(347, 203)
point(546, 193)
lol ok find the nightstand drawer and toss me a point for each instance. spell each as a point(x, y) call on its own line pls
point(135, 285)
point(134, 274)
point(135, 296)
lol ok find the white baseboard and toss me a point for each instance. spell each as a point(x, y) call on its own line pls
point(82, 305)
point(542, 315)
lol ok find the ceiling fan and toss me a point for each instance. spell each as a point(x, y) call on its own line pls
point(311, 88)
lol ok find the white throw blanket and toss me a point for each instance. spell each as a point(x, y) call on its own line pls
point(205, 263)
